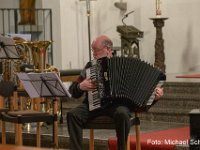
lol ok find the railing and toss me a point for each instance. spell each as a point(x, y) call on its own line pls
point(37, 23)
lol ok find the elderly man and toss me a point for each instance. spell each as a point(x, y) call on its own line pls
point(77, 117)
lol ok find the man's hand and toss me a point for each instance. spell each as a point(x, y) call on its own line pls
point(87, 85)
point(159, 92)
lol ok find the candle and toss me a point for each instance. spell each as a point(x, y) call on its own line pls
point(156, 4)
point(158, 10)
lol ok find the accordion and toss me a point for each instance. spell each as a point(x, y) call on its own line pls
point(124, 80)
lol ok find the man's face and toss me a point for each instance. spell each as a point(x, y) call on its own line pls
point(102, 52)
point(99, 52)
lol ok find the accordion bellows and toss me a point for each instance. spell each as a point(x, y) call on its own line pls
point(124, 80)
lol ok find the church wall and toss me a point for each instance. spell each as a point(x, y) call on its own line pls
point(181, 35)
point(56, 29)
point(181, 31)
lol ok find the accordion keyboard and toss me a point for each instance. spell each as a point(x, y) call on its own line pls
point(93, 96)
point(152, 97)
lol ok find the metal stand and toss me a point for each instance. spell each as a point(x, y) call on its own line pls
point(8, 52)
point(89, 34)
point(159, 43)
point(45, 85)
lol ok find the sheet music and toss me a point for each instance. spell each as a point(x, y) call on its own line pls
point(26, 81)
point(43, 85)
point(26, 37)
point(7, 48)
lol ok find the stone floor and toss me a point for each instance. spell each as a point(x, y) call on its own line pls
point(101, 136)
point(146, 126)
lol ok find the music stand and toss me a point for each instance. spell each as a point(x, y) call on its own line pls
point(8, 48)
point(45, 85)
point(7, 51)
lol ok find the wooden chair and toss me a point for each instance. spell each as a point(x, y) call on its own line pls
point(1, 111)
point(6, 90)
point(2, 107)
point(19, 117)
point(105, 122)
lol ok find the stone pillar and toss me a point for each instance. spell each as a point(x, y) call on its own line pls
point(159, 43)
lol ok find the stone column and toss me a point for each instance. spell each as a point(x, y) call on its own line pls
point(159, 43)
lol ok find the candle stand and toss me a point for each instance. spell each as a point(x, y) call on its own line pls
point(159, 43)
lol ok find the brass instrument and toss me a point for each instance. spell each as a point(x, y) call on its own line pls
point(39, 59)
point(37, 50)
point(6, 70)
point(34, 53)
point(5, 78)
point(24, 50)
point(39, 54)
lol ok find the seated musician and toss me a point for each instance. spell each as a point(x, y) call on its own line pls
point(77, 117)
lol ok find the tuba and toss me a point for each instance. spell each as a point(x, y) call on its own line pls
point(39, 49)
point(33, 53)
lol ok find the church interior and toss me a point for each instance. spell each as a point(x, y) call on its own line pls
point(48, 42)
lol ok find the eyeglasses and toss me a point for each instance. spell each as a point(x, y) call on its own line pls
point(98, 49)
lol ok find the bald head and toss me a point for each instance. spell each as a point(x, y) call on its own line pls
point(102, 41)
point(102, 47)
